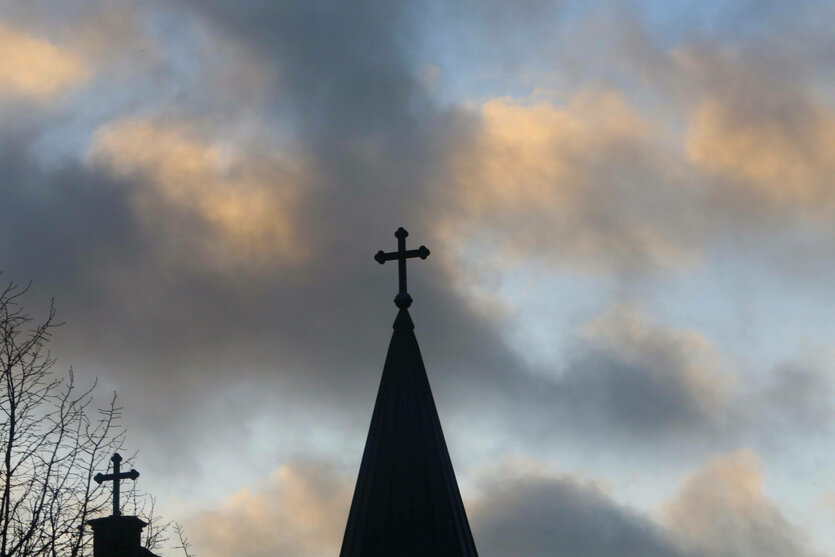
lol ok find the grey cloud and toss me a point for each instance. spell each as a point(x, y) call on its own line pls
point(720, 510)
point(172, 335)
point(637, 384)
point(632, 382)
point(197, 354)
point(301, 509)
point(522, 510)
point(538, 516)
point(345, 69)
point(795, 396)
point(643, 397)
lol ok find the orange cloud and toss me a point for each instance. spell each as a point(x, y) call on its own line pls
point(248, 204)
point(761, 130)
point(530, 157)
point(570, 182)
point(722, 510)
point(788, 166)
point(36, 69)
point(301, 512)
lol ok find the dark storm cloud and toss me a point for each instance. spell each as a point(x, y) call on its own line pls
point(60, 225)
point(345, 69)
point(720, 510)
point(538, 516)
point(168, 331)
point(197, 350)
point(173, 333)
point(643, 397)
point(651, 399)
point(632, 383)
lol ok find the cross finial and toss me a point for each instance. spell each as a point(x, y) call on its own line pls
point(402, 300)
point(115, 477)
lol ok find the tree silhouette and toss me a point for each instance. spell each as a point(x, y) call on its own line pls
point(52, 439)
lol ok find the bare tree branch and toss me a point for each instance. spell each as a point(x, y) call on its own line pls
point(52, 441)
point(184, 543)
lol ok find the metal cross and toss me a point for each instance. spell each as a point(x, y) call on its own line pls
point(402, 300)
point(115, 477)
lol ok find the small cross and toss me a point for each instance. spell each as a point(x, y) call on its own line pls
point(402, 300)
point(115, 477)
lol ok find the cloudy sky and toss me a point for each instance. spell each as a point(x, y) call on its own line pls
point(628, 316)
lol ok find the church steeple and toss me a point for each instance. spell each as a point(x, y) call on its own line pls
point(406, 502)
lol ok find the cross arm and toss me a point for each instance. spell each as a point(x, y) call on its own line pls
point(99, 478)
point(381, 257)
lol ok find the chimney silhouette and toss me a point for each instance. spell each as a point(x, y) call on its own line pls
point(118, 536)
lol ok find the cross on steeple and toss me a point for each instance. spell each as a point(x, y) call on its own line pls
point(402, 300)
point(115, 477)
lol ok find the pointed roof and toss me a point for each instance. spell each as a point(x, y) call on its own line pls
point(406, 502)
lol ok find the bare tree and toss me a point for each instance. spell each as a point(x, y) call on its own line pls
point(185, 545)
point(155, 533)
point(52, 439)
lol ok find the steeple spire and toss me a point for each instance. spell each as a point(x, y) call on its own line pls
point(406, 502)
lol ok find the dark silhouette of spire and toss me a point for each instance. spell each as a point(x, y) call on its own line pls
point(406, 501)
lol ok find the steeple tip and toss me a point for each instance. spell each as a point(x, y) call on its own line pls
point(403, 300)
point(403, 321)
